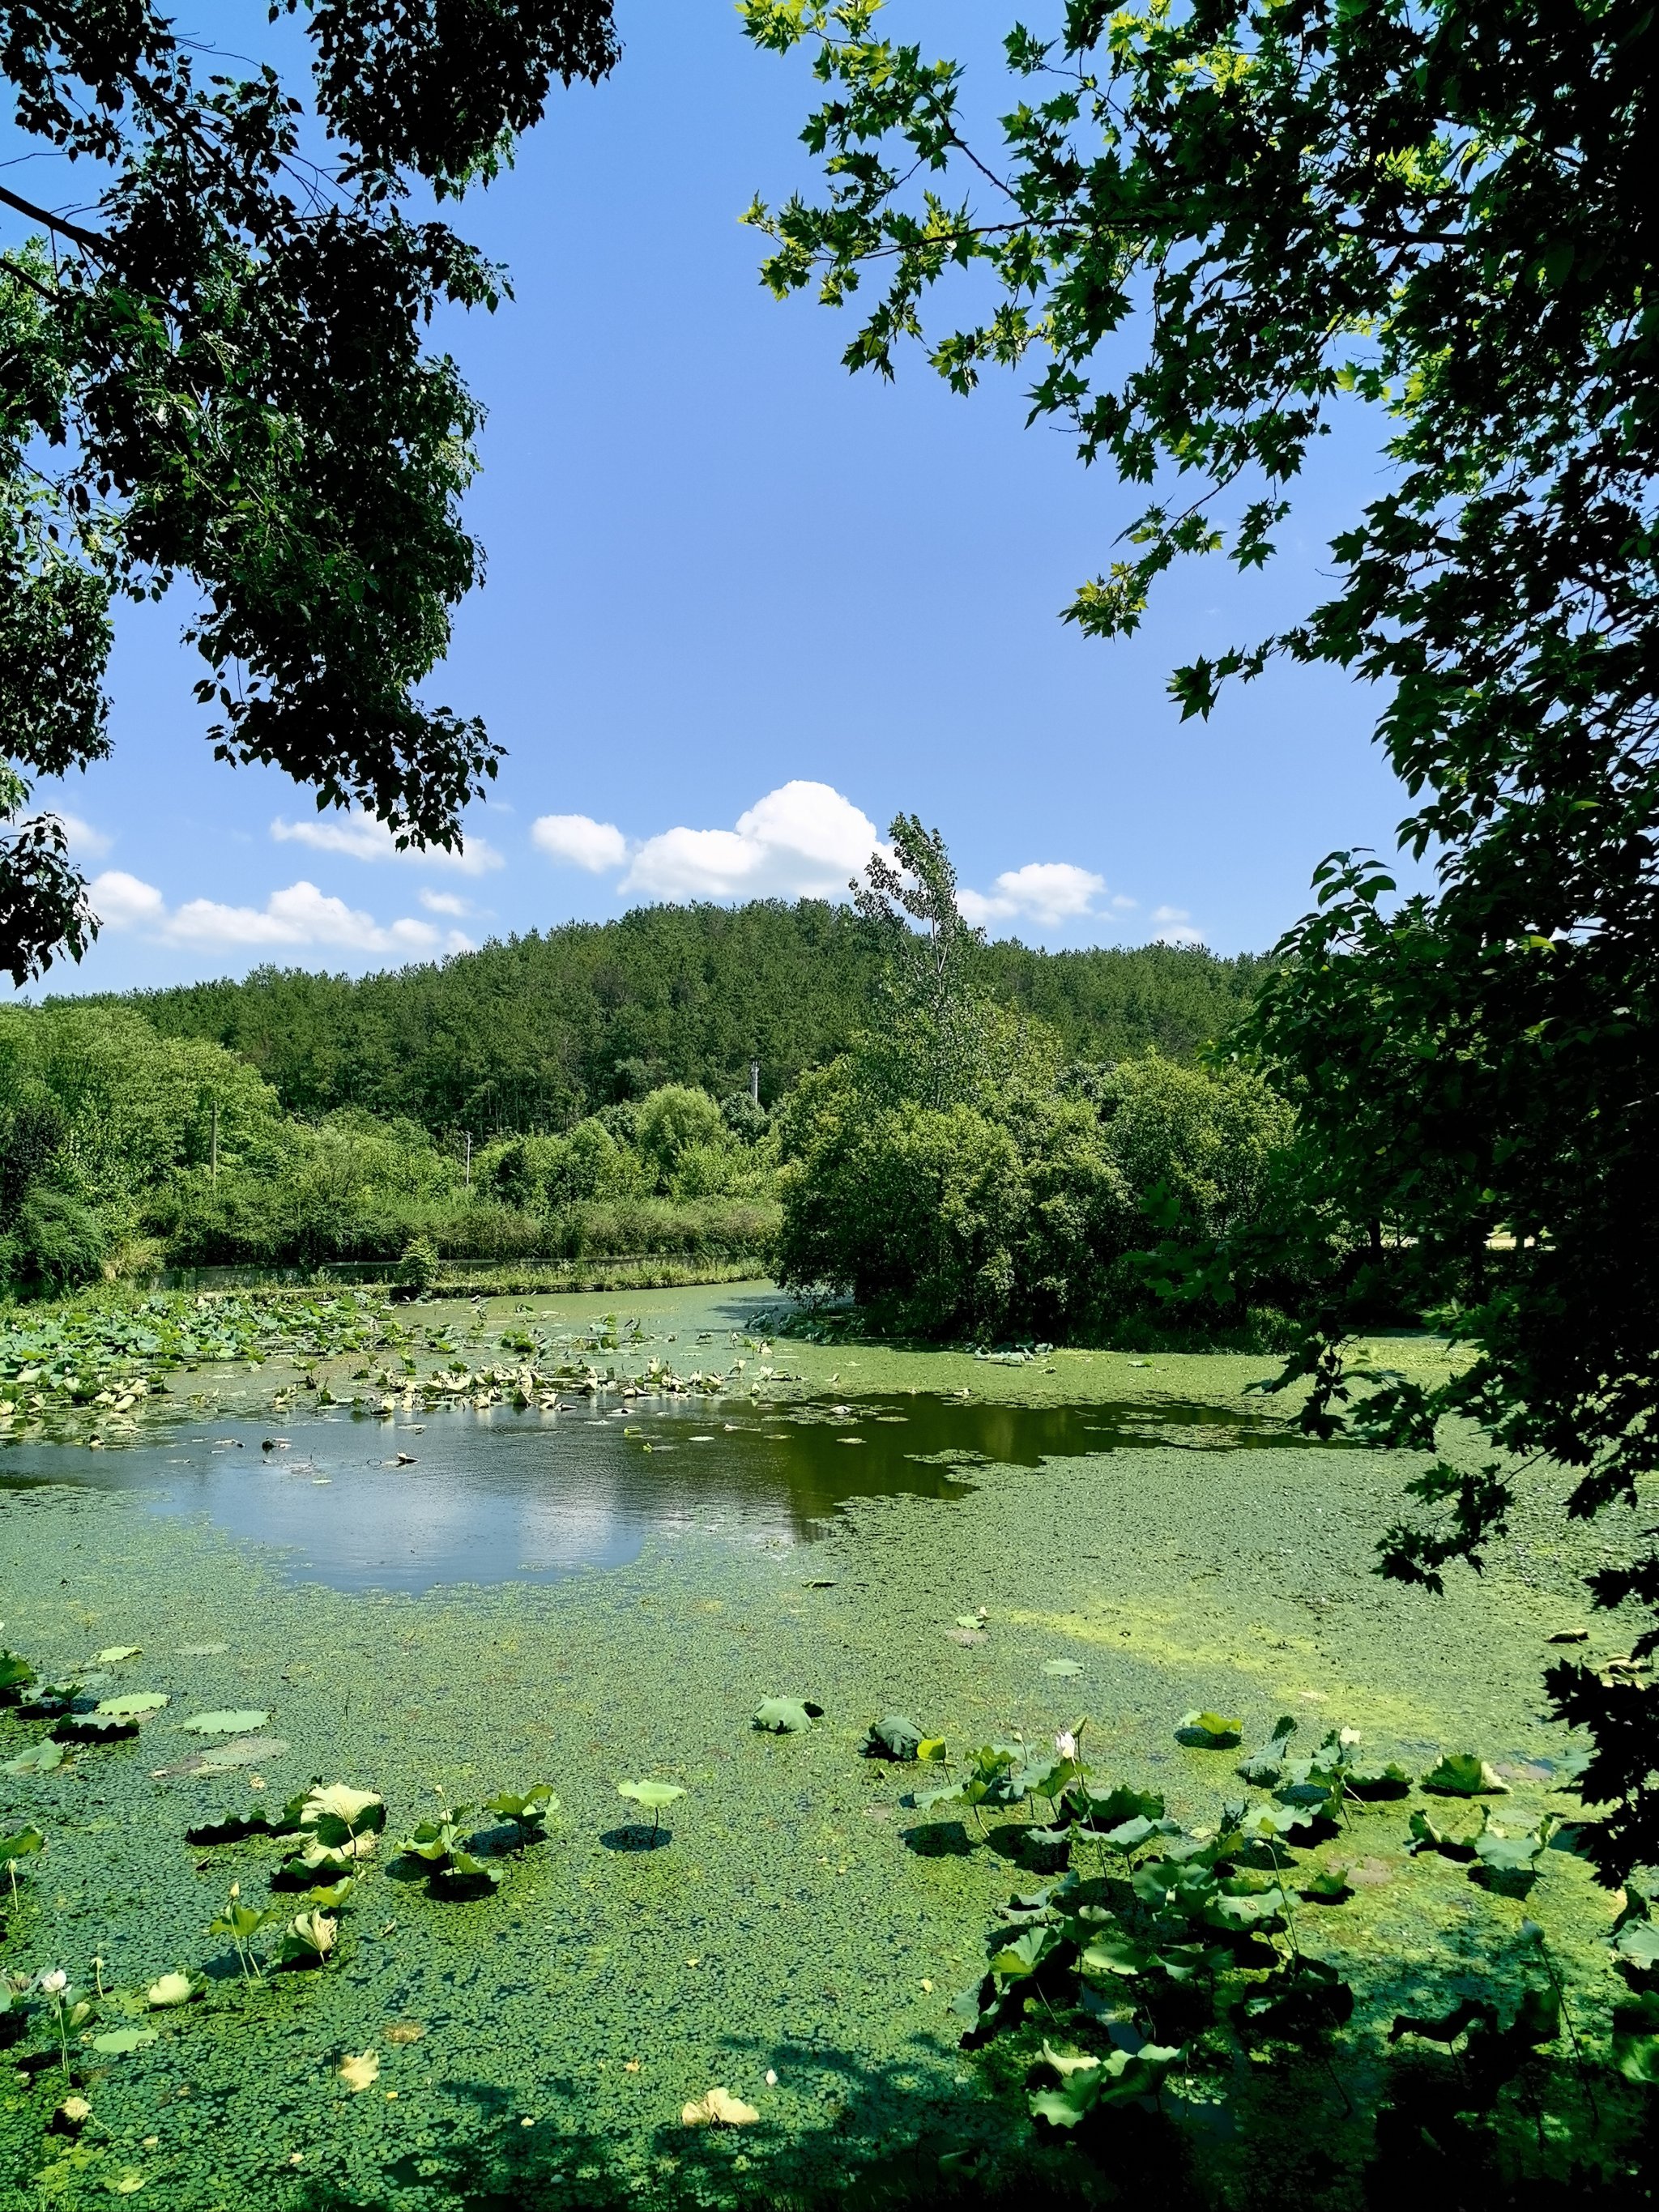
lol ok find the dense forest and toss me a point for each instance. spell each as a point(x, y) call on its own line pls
point(536, 1032)
point(567, 1095)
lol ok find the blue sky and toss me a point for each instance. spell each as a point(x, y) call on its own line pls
point(733, 590)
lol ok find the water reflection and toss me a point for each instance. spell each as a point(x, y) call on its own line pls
point(483, 1498)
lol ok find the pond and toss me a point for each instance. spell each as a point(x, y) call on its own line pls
point(459, 1497)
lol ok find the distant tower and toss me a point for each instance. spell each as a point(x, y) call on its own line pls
point(754, 1080)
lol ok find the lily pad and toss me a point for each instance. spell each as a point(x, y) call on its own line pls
point(226, 1724)
point(115, 1653)
point(133, 1706)
point(787, 1716)
point(120, 2042)
point(1207, 1731)
point(1061, 1666)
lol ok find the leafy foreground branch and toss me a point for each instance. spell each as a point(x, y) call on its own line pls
point(1215, 231)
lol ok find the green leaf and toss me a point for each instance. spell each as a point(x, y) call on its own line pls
point(786, 1716)
point(894, 1737)
point(1462, 1774)
point(1207, 1731)
point(171, 1990)
point(1636, 1941)
point(1061, 1666)
point(133, 1706)
point(24, 1844)
point(116, 1653)
point(652, 1795)
point(40, 1758)
point(227, 1723)
point(121, 2042)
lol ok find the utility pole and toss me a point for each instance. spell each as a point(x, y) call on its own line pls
point(754, 1081)
point(214, 1169)
point(467, 1134)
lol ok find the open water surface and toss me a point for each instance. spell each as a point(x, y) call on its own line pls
point(500, 1496)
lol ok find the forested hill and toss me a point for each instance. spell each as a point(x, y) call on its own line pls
point(534, 1031)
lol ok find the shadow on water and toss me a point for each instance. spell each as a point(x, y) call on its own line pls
point(502, 1495)
point(878, 2144)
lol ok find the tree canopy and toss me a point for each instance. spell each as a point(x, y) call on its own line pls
point(216, 373)
point(1210, 227)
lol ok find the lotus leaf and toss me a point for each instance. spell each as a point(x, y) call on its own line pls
point(1018, 1961)
point(1121, 2076)
point(132, 1707)
point(1638, 1943)
point(339, 1813)
point(120, 2042)
point(1067, 2062)
point(1423, 1836)
point(435, 1841)
point(240, 1750)
point(96, 1727)
point(786, 1716)
point(1129, 1835)
point(307, 1939)
point(717, 2107)
point(116, 1653)
point(948, 1793)
point(1386, 1779)
point(230, 1723)
point(1462, 1774)
point(465, 1871)
point(893, 1737)
point(1636, 2039)
point(1112, 1952)
point(1508, 1863)
point(1327, 1886)
point(170, 1989)
point(1207, 1731)
point(1469, 2012)
point(15, 1675)
point(1301, 2002)
point(40, 1758)
point(329, 1897)
point(361, 2072)
point(22, 1846)
point(1061, 1666)
point(1241, 1912)
point(526, 1808)
point(653, 1796)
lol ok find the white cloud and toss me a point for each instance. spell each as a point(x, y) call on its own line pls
point(1174, 930)
point(580, 842)
point(802, 841)
point(85, 842)
point(301, 915)
point(1048, 892)
point(123, 902)
point(444, 902)
point(363, 836)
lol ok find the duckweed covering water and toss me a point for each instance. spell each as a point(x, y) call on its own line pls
point(539, 2043)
